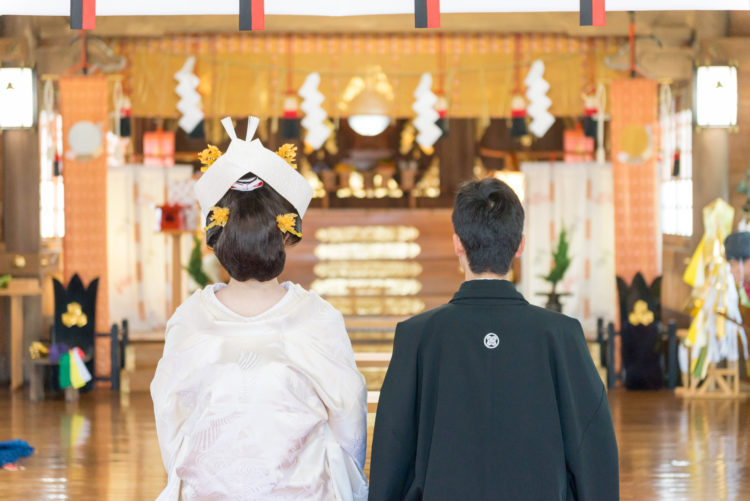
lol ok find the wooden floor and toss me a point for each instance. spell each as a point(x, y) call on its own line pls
point(104, 448)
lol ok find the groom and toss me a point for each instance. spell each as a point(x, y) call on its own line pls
point(488, 397)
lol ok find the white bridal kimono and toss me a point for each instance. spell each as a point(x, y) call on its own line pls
point(270, 407)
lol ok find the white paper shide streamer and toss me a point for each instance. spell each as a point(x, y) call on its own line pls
point(424, 106)
point(315, 115)
point(539, 103)
point(189, 104)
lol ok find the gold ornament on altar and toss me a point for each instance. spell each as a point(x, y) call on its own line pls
point(38, 350)
point(408, 135)
point(331, 146)
point(367, 269)
point(208, 156)
point(374, 233)
point(74, 317)
point(641, 315)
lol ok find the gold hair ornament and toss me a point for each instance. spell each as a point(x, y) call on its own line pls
point(218, 217)
point(289, 153)
point(208, 156)
point(287, 223)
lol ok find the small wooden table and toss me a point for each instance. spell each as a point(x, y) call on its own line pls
point(16, 290)
point(177, 267)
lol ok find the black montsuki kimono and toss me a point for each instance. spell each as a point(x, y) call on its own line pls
point(490, 398)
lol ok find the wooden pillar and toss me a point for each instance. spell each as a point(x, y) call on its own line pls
point(710, 173)
point(20, 215)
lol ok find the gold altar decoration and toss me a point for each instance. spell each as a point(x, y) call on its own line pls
point(242, 74)
point(371, 306)
point(429, 185)
point(364, 250)
point(357, 188)
point(366, 286)
point(312, 178)
point(38, 350)
point(368, 269)
point(337, 234)
point(74, 316)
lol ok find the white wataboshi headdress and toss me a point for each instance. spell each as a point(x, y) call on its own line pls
point(250, 155)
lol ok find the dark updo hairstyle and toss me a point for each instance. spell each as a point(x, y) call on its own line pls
point(251, 246)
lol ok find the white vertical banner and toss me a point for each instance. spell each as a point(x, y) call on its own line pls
point(578, 197)
point(133, 242)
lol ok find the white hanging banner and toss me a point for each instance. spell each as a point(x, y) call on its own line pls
point(347, 7)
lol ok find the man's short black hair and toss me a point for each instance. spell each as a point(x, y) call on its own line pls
point(251, 245)
point(488, 219)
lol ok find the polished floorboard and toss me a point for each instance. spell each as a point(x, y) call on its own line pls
point(104, 448)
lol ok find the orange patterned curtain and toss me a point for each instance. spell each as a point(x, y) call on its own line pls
point(85, 241)
point(635, 143)
point(243, 74)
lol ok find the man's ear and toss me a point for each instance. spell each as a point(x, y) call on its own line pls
point(521, 246)
point(458, 247)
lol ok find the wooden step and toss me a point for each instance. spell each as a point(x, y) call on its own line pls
point(143, 354)
point(136, 381)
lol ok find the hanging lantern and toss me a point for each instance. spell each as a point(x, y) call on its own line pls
point(441, 106)
point(290, 118)
point(590, 109)
point(158, 148)
point(518, 116)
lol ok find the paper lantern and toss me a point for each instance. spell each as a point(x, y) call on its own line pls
point(716, 96)
point(172, 217)
point(158, 148)
point(17, 91)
